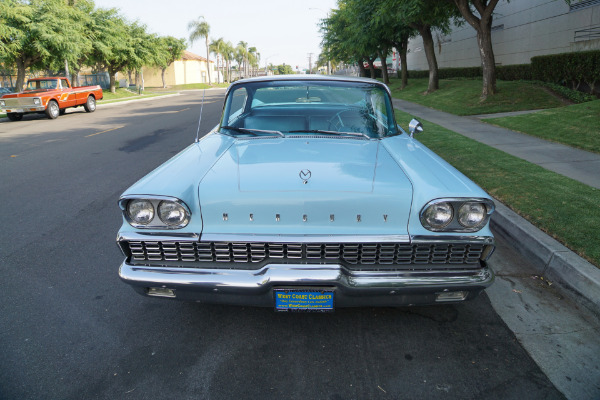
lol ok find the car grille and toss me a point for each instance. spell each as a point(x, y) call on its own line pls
point(352, 255)
point(19, 102)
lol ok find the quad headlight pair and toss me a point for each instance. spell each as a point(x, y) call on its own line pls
point(157, 213)
point(456, 215)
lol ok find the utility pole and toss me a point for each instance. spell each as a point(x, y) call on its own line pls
point(310, 63)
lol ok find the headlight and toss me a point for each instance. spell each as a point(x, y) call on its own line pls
point(471, 215)
point(438, 215)
point(155, 212)
point(2, 103)
point(456, 214)
point(37, 101)
point(140, 211)
point(172, 213)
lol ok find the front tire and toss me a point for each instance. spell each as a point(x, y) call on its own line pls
point(90, 104)
point(15, 116)
point(52, 110)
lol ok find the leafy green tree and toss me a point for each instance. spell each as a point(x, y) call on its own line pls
point(199, 29)
point(172, 50)
point(39, 33)
point(111, 47)
point(344, 38)
point(423, 16)
point(284, 69)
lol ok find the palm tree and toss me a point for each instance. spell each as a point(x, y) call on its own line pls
point(242, 50)
point(200, 29)
point(228, 55)
point(217, 47)
point(253, 58)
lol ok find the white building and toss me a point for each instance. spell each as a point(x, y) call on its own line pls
point(521, 29)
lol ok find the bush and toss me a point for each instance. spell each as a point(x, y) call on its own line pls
point(568, 69)
point(503, 72)
point(573, 95)
point(515, 72)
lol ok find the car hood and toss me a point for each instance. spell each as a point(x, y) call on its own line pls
point(305, 186)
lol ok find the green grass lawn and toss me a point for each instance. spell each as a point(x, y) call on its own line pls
point(193, 86)
point(567, 210)
point(577, 125)
point(461, 96)
point(123, 94)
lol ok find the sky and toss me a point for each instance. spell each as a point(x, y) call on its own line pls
point(283, 31)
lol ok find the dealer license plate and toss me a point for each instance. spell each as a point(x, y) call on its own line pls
point(303, 300)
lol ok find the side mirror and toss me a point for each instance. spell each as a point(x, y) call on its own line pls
point(414, 126)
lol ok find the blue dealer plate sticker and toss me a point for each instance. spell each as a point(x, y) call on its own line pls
point(303, 300)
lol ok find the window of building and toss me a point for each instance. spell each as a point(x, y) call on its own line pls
point(581, 4)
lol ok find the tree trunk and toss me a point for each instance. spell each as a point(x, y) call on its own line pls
point(384, 73)
point(402, 48)
point(112, 73)
point(20, 75)
point(483, 26)
point(371, 67)
point(434, 83)
point(67, 73)
point(488, 62)
point(208, 61)
point(363, 70)
point(163, 77)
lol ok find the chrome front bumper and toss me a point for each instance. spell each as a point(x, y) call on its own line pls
point(352, 288)
point(22, 109)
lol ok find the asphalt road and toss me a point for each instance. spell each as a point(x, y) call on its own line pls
point(70, 329)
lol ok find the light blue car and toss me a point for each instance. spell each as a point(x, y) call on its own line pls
point(306, 197)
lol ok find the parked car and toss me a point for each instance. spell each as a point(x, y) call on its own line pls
point(51, 96)
point(307, 196)
point(5, 90)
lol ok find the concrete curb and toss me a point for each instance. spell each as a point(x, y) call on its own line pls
point(551, 259)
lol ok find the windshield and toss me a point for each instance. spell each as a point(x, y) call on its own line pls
point(358, 109)
point(42, 84)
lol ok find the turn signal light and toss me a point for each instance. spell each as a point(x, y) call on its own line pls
point(451, 296)
point(160, 292)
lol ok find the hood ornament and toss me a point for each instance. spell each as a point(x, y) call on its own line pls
point(305, 175)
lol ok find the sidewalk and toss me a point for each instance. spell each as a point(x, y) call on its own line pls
point(580, 278)
point(580, 165)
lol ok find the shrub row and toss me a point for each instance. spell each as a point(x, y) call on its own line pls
point(515, 72)
point(568, 69)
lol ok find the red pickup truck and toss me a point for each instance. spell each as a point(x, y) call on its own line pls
point(51, 96)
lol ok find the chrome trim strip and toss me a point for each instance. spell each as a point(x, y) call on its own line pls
point(157, 237)
point(453, 239)
point(197, 237)
point(249, 237)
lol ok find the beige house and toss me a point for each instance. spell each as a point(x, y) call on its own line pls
point(191, 68)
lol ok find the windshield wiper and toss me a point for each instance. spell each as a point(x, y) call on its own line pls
point(252, 131)
point(331, 132)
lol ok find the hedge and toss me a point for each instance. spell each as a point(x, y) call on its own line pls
point(568, 69)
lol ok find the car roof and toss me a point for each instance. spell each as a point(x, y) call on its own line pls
point(308, 78)
point(300, 77)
